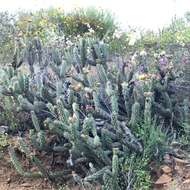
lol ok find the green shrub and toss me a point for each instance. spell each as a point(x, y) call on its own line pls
point(7, 31)
point(3, 140)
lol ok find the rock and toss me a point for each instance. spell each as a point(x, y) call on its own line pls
point(180, 161)
point(25, 185)
point(179, 170)
point(176, 144)
point(166, 169)
point(187, 174)
point(187, 181)
point(167, 159)
point(3, 129)
point(8, 180)
point(163, 179)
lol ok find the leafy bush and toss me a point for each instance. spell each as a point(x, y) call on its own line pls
point(83, 21)
point(7, 32)
point(44, 23)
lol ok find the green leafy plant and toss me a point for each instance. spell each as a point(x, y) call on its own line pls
point(3, 140)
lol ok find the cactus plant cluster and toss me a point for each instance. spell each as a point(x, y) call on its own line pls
point(91, 107)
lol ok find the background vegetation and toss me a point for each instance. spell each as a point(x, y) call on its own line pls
point(75, 84)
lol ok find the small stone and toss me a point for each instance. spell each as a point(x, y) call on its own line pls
point(4, 129)
point(187, 175)
point(163, 179)
point(187, 181)
point(8, 180)
point(166, 169)
point(177, 168)
point(25, 185)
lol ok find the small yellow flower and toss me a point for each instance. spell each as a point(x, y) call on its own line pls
point(142, 77)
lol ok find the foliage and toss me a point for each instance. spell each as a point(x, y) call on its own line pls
point(104, 111)
point(7, 117)
point(82, 21)
point(41, 23)
point(3, 140)
point(175, 33)
point(78, 97)
point(7, 31)
point(44, 23)
point(137, 166)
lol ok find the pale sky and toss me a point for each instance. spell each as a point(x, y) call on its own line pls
point(149, 14)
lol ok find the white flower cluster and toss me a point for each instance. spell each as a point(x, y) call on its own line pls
point(133, 37)
point(117, 34)
point(143, 53)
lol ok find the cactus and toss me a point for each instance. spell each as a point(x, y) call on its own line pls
point(148, 108)
point(87, 105)
point(40, 136)
point(135, 115)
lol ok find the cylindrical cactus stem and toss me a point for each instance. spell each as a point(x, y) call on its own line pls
point(108, 182)
point(97, 142)
point(51, 108)
point(83, 52)
point(97, 175)
point(135, 115)
point(63, 113)
point(114, 119)
point(115, 169)
point(186, 105)
point(101, 74)
point(100, 113)
point(76, 114)
point(115, 162)
point(25, 104)
point(127, 98)
point(33, 139)
point(114, 103)
point(186, 117)
point(23, 147)
point(41, 139)
point(88, 124)
point(70, 96)
point(96, 100)
point(23, 83)
point(91, 81)
point(59, 88)
point(16, 88)
point(74, 132)
point(10, 72)
point(35, 121)
point(148, 108)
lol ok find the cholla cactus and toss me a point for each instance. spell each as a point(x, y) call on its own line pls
point(86, 104)
point(135, 114)
point(186, 121)
point(148, 108)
